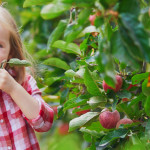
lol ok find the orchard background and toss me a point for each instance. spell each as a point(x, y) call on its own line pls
point(82, 48)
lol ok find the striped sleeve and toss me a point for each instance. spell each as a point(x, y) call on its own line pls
point(44, 120)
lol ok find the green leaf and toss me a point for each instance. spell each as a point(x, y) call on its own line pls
point(121, 53)
point(63, 96)
point(96, 126)
point(57, 33)
point(108, 3)
point(60, 111)
point(109, 78)
point(54, 10)
point(82, 120)
point(146, 20)
point(87, 137)
point(80, 72)
point(72, 31)
point(83, 16)
point(97, 101)
point(122, 107)
point(99, 21)
point(87, 30)
point(135, 38)
point(77, 101)
point(93, 145)
point(17, 62)
point(57, 63)
point(51, 80)
point(124, 94)
point(139, 77)
point(140, 97)
point(132, 7)
point(116, 134)
point(29, 3)
point(81, 108)
point(91, 85)
point(67, 47)
point(91, 132)
point(147, 128)
point(83, 3)
point(123, 65)
point(147, 106)
point(105, 62)
point(70, 73)
point(145, 88)
point(77, 77)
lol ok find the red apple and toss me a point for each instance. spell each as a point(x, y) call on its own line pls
point(79, 113)
point(92, 19)
point(123, 121)
point(125, 99)
point(129, 87)
point(109, 119)
point(117, 86)
point(63, 129)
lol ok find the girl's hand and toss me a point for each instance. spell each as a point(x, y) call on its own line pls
point(7, 82)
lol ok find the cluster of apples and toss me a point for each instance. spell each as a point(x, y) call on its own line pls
point(110, 119)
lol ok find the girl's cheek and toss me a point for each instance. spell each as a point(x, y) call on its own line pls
point(2, 58)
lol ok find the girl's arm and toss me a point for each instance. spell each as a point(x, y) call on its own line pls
point(38, 114)
point(28, 105)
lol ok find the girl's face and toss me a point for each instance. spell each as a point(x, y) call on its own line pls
point(4, 43)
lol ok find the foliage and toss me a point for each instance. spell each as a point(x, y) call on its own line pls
point(75, 57)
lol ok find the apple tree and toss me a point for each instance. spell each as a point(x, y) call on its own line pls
point(100, 56)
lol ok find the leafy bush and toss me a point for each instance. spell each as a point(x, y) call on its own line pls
point(93, 42)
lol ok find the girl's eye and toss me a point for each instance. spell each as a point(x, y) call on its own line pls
point(1, 46)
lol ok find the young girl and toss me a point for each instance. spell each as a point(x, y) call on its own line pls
point(22, 110)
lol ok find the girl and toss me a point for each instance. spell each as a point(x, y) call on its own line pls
point(22, 110)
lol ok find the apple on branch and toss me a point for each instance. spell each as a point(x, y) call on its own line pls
point(109, 119)
point(79, 113)
point(124, 121)
point(117, 86)
point(129, 87)
point(93, 17)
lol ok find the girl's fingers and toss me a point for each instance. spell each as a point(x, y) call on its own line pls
point(2, 70)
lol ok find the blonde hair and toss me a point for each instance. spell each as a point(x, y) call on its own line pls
point(17, 49)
